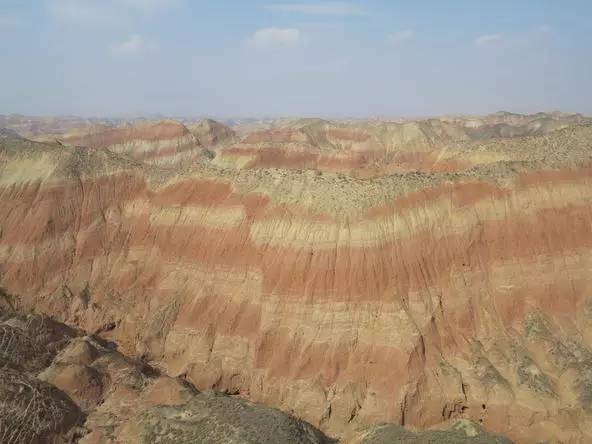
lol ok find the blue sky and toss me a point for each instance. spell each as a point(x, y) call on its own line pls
point(275, 58)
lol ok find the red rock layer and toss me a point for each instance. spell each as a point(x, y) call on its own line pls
point(367, 164)
point(360, 151)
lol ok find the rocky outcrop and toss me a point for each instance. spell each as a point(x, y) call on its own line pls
point(30, 409)
point(8, 133)
point(211, 134)
point(212, 417)
point(418, 297)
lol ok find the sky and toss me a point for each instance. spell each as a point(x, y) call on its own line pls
point(272, 58)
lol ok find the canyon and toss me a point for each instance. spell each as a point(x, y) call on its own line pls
point(430, 274)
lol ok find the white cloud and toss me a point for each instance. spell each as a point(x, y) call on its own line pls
point(323, 8)
point(275, 37)
point(401, 36)
point(133, 46)
point(487, 39)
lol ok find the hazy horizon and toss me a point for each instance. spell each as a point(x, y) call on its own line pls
point(274, 59)
point(229, 118)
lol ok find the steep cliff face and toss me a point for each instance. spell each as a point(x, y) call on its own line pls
point(414, 298)
point(63, 385)
point(60, 385)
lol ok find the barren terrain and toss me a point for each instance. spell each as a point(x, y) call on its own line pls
point(429, 274)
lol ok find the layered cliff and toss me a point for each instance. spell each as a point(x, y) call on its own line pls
point(165, 143)
point(416, 297)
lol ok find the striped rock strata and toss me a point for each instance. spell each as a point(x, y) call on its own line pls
point(415, 298)
point(374, 149)
point(164, 143)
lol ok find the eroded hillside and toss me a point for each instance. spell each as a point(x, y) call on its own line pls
point(62, 385)
point(444, 277)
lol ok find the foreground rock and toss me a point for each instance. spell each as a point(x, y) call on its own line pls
point(461, 432)
point(32, 411)
point(209, 417)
